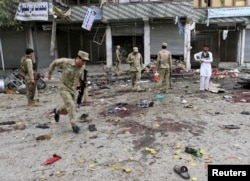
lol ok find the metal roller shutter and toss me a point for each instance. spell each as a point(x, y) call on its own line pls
point(247, 48)
point(169, 33)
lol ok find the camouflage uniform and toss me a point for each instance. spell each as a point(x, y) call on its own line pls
point(164, 64)
point(67, 85)
point(136, 63)
point(118, 58)
point(30, 74)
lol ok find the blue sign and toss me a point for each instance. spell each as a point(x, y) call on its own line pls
point(98, 12)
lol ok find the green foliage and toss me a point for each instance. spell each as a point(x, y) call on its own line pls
point(7, 15)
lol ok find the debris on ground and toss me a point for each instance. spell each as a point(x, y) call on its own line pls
point(54, 158)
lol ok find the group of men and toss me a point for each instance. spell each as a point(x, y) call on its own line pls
point(135, 60)
point(73, 72)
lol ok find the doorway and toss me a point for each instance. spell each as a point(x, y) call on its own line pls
point(228, 47)
point(127, 43)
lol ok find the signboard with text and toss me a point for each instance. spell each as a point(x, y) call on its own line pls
point(228, 12)
point(32, 11)
point(89, 19)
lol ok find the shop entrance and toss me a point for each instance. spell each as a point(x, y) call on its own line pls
point(127, 43)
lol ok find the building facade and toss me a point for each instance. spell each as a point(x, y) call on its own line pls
point(185, 25)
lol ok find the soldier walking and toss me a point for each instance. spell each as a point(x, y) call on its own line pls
point(136, 63)
point(164, 66)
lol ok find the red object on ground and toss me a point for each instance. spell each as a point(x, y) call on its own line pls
point(52, 160)
point(156, 76)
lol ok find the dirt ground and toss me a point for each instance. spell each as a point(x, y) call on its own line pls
point(131, 143)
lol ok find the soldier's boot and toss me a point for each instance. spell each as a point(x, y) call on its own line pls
point(166, 91)
point(33, 103)
point(157, 91)
point(139, 89)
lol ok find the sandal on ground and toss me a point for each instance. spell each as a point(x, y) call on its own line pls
point(182, 171)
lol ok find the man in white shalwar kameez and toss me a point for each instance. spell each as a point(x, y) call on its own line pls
point(205, 57)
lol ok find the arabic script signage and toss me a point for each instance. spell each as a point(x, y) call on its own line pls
point(228, 12)
point(32, 11)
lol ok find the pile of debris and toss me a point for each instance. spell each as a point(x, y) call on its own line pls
point(221, 74)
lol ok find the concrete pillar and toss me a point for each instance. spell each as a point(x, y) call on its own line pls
point(29, 37)
point(53, 38)
point(187, 46)
point(146, 42)
point(30, 42)
point(242, 47)
point(109, 57)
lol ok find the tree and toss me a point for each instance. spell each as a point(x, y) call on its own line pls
point(7, 15)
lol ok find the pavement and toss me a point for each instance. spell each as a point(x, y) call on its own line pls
point(131, 142)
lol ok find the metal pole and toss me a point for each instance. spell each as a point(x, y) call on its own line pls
point(1, 52)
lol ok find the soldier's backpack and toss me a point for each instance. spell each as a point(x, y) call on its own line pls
point(23, 65)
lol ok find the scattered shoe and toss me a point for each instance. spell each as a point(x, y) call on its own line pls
point(43, 137)
point(231, 126)
point(188, 106)
point(245, 112)
point(56, 116)
point(151, 104)
point(92, 127)
point(121, 104)
point(43, 126)
point(195, 152)
point(84, 116)
point(8, 123)
point(76, 129)
point(182, 171)
point(145, 103)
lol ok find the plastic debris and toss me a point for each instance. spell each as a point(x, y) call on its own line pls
point(52, 160)
point(159, 96)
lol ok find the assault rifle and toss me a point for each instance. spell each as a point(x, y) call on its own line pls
point(82, 88)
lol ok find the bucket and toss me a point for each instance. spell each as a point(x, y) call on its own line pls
point(2, 87)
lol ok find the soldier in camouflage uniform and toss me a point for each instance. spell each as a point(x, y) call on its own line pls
point(28, 67)
point(72, 71)
point(164, 66)
point(118, 58)
point(136, 63)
